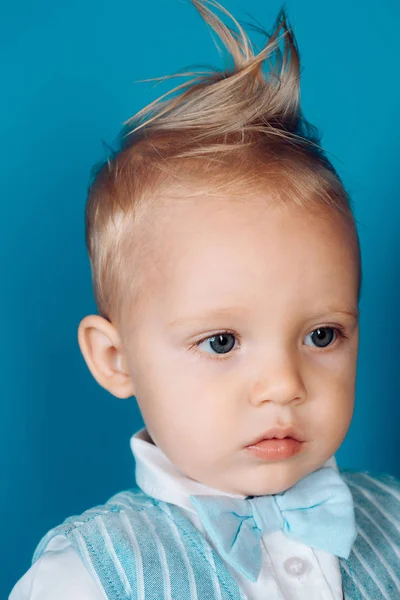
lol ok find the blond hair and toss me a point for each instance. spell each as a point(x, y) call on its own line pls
point(229, 131)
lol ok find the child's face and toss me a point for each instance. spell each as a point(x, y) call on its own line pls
point(271, 276)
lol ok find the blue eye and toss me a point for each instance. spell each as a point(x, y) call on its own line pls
point(323, 336)
point(221, 343)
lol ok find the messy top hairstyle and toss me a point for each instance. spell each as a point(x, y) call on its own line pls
point(224, 132)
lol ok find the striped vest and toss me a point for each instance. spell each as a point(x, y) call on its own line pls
point(139, 548)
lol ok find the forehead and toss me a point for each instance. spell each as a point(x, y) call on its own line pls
point(206, 251)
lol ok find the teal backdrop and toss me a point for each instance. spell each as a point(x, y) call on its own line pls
point(68, 72)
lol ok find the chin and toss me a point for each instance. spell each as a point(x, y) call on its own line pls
point(274, 483)
point(264, 490)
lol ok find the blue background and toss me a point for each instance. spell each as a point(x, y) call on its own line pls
point(68, 73)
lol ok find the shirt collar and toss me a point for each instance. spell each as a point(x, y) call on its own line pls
point(157, 476)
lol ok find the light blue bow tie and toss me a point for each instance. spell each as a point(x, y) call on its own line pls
point(317, 511)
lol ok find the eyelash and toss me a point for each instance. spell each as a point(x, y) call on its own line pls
point(194, 348)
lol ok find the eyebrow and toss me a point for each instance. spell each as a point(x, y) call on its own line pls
point(212, 314)
point(229, 311)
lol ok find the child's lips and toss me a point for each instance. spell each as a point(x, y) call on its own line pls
point(276, 449)
point(278, 433)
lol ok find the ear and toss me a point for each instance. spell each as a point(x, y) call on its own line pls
point(103, 352)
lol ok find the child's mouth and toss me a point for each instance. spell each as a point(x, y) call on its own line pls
point(275, 449)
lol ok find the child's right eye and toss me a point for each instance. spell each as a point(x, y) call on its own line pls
point(221, 343)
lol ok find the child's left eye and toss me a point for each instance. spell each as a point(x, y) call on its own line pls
point(323, 336)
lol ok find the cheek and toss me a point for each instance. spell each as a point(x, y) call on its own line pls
point(333, 412)
point(332, 390)
point(182, 410)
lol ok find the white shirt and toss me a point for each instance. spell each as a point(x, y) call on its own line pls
point(290, 570)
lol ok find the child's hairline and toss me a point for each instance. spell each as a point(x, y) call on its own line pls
point(154, 210)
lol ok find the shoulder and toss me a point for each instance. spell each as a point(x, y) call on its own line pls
point(374, 492)
point(114, 542)
point(62, 559)
point(132, 500)
point(58, 573)
point(375, 556)
point(376, 483)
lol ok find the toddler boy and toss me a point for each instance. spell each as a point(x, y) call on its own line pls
point(227, 272)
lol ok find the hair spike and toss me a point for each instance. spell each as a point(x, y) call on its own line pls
point(227, 101)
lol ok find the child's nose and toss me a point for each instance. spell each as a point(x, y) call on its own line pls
point(279, 381)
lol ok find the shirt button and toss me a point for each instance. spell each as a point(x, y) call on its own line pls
point(295, 566)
